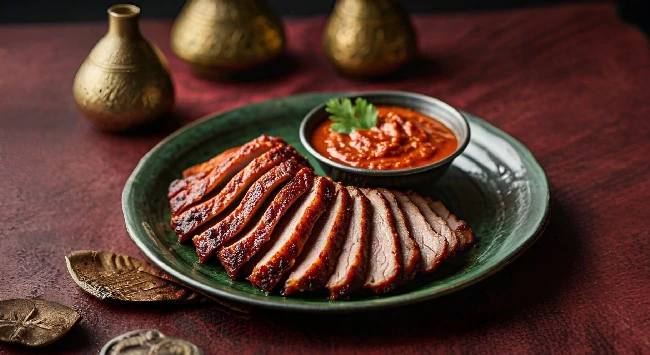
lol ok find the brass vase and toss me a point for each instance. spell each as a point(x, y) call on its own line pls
point(369, 38)
point(224, 37)
point(124, 82)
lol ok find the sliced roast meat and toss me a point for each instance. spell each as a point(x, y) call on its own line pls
point(234, 255)
point(200, 171)
point(408, 247)
point(207, 242)
point(350, 268)
point(289, 238)
point(315, 264)
point(270, 218)
point(208, 165)
point(459, 227)
point(192, 218)
point(437, 223)
point(222, 173)
point(433, 246)
point(385, 258)
point(179, 185)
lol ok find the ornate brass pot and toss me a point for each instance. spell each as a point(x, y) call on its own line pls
point(222, 37)
point(124, 82)
point(369, 37)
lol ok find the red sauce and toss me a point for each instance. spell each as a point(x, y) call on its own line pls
point(402, 139)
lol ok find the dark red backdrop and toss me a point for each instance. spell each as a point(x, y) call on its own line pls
point(571, 82)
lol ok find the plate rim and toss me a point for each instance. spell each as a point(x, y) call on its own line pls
point(340, 306)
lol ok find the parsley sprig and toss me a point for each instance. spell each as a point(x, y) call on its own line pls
point(347, 118)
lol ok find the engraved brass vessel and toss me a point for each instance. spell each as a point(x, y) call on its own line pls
point(124, 82)
point(223, 37)
point(369, 38)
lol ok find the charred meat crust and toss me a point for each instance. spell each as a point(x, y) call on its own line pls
point(459, 227)
point(200, 187)
point(385, 259)
point(199, 171)
point(234, 256)
point(202, 184)
point(311, 272)
point(207, 242)
point(189, 220)
point(409, 249)
point(179, 185)
point(466, 234)
point(433, 246)
point(268, 272)
point(208, 165)
point(354, 273)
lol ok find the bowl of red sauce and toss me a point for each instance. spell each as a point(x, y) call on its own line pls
point(414, 141)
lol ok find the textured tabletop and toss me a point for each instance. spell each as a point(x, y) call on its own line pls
point(571, 82)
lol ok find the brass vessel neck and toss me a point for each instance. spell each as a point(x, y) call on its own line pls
point(123, 20)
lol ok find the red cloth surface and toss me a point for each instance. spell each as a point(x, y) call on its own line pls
point(571, 82)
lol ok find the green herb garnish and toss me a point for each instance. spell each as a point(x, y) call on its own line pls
point(347, 118)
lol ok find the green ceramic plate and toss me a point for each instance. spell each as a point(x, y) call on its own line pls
point(496, 185)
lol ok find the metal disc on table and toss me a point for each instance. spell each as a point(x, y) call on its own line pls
point(148, 342)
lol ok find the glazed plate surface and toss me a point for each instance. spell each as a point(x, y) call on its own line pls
point(496, 185)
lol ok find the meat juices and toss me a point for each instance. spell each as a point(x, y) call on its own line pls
point(323, 248)
point(350, 269)
point(289, 238)
point(385, 259)
point(433, 246)
point(236, 254)
point(408, 247)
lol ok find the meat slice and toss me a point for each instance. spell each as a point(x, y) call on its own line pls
point(179, 185)
point(236, 254)
point(315, 264)
point(385, 258)
point(208, 165)
point(433, 246)
point(437, 223)
point(200, 171)
point(350, 268)
point(192, 218)
point(409, 249)
point(197, 188)
point(459, 227)
point(291, 235)
point(207, 242)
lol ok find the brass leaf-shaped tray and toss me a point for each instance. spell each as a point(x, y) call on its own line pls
point(120, 277)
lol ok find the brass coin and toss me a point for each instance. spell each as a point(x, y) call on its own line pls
point(148, 342)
